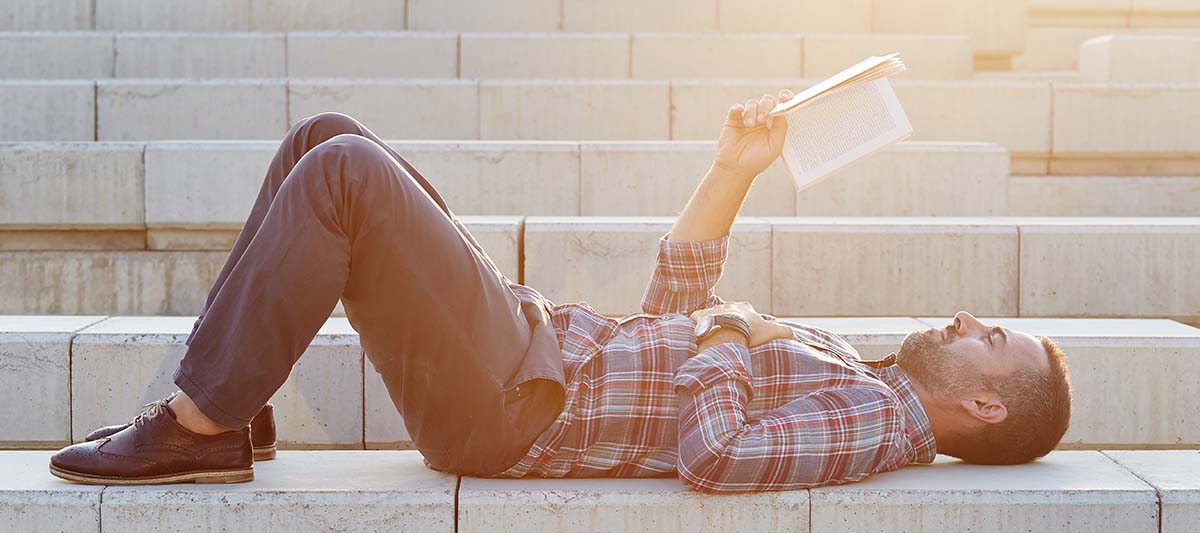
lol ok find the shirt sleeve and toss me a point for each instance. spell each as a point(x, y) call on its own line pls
point(835, 435)
point(685, 275)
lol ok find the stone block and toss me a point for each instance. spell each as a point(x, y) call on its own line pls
point(658, 178)
point(545, 55)
point(384, 427)
point(35, 398)
point(901, 266)
point(220, 109)
point(1013, 114)
point(602, 505)
point(666, 56)
point(1080, 490)
point(204, 184)
point(127, 361)
point(200, 55)
point(1165, 13)
point(608, 261)
point(699, 108)
point(71, 186)
point(56, 55)
point(1135, 381)
point(567, 110)
point(1110, 267)
point(485, 15)
point(873, 337)
point(1054, 48)
point(48, 110)
point(1176, 476)
point(342, 15)
point(634, 15)
point(1135, 121)
point(173, 15)
point(995, 28)
point(1129, 58)
point(394, 109)
point(1080, 12)
point(328, 490)
point(372, 55)
point(792, 16)
point(913, 179)
point(500, 178)
point(33, 500)
point(56, 15)
point(1103, 196)
point(500, 237)
point(927, 57)
point(106, 282)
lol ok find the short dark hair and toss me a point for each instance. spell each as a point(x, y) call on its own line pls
point(1039, 411)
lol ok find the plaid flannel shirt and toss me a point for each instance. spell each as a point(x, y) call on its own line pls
point(788, 414)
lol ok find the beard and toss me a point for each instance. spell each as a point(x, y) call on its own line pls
point(926, 360)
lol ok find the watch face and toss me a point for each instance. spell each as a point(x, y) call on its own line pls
point(704, 325)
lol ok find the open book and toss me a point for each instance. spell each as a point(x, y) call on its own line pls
point(842, 119)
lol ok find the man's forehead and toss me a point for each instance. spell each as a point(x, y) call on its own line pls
point(1028, 348)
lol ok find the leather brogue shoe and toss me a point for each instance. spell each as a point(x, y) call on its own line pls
point(262, 430)
point(156, 449)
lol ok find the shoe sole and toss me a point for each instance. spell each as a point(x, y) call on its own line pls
point(264, 453)
point(213, 476)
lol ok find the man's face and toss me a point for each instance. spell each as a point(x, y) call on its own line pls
point(955, 359)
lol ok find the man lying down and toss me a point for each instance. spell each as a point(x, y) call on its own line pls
point(494, 380)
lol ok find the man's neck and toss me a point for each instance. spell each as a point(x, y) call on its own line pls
point(939, 417)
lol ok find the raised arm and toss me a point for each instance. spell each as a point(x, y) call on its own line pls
point(692, 254)
point(748, 144)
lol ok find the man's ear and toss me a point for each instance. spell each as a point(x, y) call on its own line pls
point(985, 407)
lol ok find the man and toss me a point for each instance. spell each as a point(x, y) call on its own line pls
point(494, 380)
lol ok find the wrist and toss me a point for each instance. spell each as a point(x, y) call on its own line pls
point(723, 335)
point(727, 170)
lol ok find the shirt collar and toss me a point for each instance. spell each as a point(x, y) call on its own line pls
point(920, 431)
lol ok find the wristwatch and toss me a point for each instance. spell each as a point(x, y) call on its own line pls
point(709, 324)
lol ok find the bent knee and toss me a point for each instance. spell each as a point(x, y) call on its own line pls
point(331, 123)
point(352, 145)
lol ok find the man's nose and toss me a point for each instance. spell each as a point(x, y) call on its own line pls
point(965, 322)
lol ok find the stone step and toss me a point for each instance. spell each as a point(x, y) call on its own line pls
point(211, 185)
point(298, 491)
point(1069, 490)
point(882, 266)
point(996, 30)
point(208, 186)
point(1006, 266)
point(1123, 13)
point(1057, 48)
point(82, 372)
point(1091, 129)
point(72, 55)
point(1128, 58)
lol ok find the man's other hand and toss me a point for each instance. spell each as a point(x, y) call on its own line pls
point(750, 142)
point(761, 330)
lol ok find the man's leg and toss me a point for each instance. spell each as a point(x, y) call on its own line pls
point(433, 313)
point(302, 137)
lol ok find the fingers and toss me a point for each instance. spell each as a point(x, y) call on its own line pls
point(786, 95)
point(750, 115)
point(765, 105)
point(735, 114)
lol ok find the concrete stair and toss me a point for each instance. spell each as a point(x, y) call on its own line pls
point(1078, 490)
point(1049, 127)
point(78, 373)
point(818, 266)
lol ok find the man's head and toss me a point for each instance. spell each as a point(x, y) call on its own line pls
point(993, 395)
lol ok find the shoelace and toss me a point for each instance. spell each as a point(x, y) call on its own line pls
point(150, 411)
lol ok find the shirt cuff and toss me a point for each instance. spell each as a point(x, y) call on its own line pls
point(691, 265)
point(720, 362)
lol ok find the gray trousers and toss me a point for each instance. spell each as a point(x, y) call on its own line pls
point(467, 362)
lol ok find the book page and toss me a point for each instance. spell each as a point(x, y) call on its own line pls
point(840, 128)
